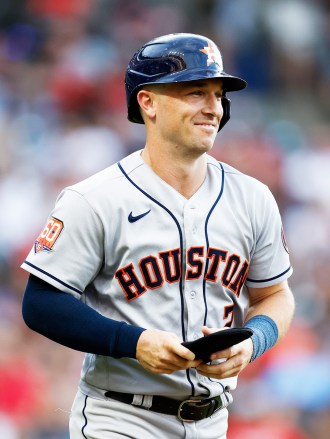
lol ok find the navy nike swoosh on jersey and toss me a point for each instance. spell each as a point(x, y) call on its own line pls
point(132, 218)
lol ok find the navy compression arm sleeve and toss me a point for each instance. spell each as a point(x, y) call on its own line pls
point(70, 322)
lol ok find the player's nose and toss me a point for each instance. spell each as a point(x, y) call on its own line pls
point(213, 106)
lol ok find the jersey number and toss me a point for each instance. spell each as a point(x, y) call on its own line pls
point(228, 315)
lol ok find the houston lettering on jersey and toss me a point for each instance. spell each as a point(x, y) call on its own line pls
point(152, 271)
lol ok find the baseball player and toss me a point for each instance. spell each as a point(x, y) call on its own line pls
point(165, 247)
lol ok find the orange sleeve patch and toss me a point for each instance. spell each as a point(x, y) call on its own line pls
point(49, 235)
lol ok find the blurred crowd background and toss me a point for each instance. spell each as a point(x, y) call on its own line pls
point(63, 117)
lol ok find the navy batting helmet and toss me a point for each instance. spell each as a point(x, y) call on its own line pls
point(177, 58)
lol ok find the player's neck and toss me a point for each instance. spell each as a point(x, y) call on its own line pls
point(185, 176)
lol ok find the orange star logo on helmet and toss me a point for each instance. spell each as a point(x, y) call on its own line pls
point(213, 54)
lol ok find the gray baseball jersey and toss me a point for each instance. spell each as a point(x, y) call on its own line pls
point(134, 249)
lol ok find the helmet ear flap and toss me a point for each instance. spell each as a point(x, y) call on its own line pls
point(226, 112)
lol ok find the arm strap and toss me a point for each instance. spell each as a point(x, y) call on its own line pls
point(265, 334)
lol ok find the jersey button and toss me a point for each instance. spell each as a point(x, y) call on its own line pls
point(193, 294)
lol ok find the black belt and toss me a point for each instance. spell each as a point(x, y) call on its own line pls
point(188, 411)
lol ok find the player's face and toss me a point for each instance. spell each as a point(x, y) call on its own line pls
point(188, 114)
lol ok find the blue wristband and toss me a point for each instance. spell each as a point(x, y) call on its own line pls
point(265, 334)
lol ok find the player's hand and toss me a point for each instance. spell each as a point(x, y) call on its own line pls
point(162, 352)
point(236, 358)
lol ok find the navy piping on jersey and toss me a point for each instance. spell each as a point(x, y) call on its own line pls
point(181, 248)
point(207, 261)
point(53, 277)
point(271, 278)
point(207, 236)
point(84, 415)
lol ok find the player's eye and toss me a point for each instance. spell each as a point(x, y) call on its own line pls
point(196, 92)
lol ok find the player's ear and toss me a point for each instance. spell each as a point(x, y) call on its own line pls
point(146, 101)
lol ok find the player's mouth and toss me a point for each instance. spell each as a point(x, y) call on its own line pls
point(206, 126)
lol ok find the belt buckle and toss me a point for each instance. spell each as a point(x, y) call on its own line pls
point(187, 401)
point(209, 405)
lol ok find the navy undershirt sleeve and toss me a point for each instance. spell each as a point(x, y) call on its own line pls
point(64, 319)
